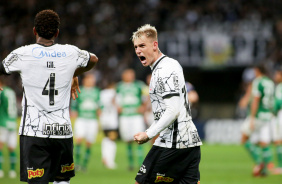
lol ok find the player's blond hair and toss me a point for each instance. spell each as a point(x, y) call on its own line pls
point(147, 30)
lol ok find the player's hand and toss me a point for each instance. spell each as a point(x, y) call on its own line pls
point(75, 88)
point(1, 89)
point(141, 137)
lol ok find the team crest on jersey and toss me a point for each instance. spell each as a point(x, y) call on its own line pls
point(12, 59)
point(35, 173)
point(162, 178)
point(160, 85)
point(175, 82)
point(67, 167)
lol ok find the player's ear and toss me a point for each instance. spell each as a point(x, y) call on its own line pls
point(155, 46)
point(57, 33)
point(34, 31)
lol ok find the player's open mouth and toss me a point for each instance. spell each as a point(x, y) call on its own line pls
point(142, 58)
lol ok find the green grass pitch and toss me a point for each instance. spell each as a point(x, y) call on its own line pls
point(220, 164)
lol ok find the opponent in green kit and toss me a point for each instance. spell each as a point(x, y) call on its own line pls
point(277, 123)
point(85, 107)
point(8, 125)
point(129, 100)
point(256, 128)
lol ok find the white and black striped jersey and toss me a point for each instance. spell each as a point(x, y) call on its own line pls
point(46, 73)
point(168, 81)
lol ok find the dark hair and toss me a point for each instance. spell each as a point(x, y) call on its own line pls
point(46, 23)
point(262, 68)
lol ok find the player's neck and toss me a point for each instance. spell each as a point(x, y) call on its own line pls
point(157, 57)
point(44, 41)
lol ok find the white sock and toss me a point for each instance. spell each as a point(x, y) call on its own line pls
point(61, 182)
point(109, 151)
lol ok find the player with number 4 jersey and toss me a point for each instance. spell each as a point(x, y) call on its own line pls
point(48, 71)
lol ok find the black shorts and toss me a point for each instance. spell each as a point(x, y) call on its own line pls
point(168, 165)
point(44, 160)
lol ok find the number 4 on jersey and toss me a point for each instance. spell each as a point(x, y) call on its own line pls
point(51, 92)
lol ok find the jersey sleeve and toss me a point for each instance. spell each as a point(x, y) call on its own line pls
point(255, 89)
point(83, 57)
point(12, 63)
point(168, 83)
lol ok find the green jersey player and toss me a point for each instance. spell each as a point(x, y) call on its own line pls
point(86, 125)
point(131, 108)
point(8, 125)
point(256, 128)
point(277, 123)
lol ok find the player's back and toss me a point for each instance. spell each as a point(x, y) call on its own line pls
point(46, 73)
point(264, 87)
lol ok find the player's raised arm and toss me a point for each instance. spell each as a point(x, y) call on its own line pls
point(91, 63)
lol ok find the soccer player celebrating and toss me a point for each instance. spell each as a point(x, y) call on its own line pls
point(175, 155)
point(85, 108)
point(47, 70)
point(131, 108)
point(8, 125)
point(256, 128)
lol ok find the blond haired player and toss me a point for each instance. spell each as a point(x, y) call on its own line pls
point(175, 155)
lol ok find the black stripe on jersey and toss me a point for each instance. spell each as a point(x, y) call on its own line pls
point(171, 95)
point(157, 63)
point(25, 111)
point(2, 69)
point(174, 136)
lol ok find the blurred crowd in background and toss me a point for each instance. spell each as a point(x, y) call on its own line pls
point(104, 27)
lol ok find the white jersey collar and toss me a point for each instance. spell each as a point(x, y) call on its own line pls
point(153, 66)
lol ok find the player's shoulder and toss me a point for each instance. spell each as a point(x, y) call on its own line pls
point(7, 90)
point(67, 47)
point(97, 89)
point(23, 49)
point(169, 65)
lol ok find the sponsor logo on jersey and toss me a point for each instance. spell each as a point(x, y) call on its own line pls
point(39, 52)
point(35, 173)
point(195, 137)
point(56, 129)
point(143, 169)
point(163, 179)
point(160, 85)
point(66, 168)
point(13, 58)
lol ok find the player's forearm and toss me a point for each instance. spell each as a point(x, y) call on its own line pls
point(254, 106)
point(92, 62)
point(168, 117)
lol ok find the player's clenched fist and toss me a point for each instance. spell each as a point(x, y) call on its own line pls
point(141, 137)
